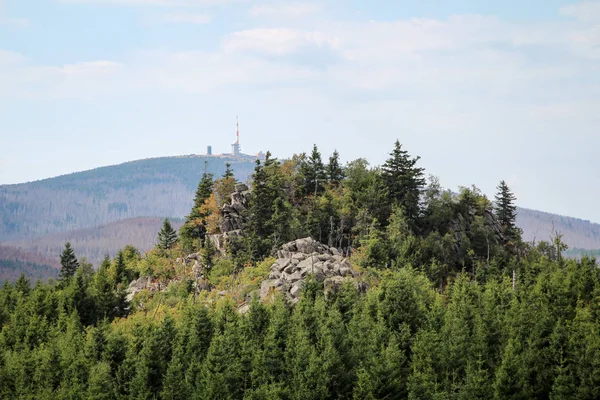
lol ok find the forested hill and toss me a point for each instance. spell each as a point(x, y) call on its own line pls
point(159, 187)
point(577, 233)
point(151, 187)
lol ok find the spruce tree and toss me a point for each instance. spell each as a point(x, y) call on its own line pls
point(228, 171)
point(313, 173)
point(404, 181)
point(68, 262)
point(335, 172)
point(117, 271)
point(167, 237)
point(264, 208)
point(506, 212)
point(193, 231)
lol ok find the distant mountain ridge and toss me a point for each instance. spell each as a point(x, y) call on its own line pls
point(152, 187)
point(577, 233)
point(95, 243)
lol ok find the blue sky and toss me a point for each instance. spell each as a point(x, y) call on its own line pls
point(482, 91)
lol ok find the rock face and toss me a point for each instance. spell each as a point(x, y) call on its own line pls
point(302, 258)
point(233, 219)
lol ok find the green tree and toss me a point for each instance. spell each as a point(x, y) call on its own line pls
point(193, 230)
point(167, 237)
point(404, 181)
point(228, 171)
point(68, 262)
point(313, 173)
point(506, 212)
point(335, 172)
point(101, 383)
point(118, 270)
point(265, 211)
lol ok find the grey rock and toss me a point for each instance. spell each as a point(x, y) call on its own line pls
point(302, 258)
point(295, 277)
point(307, 245)
point(240, 187)
point(266, 287)
point(290, 247)
point(335, 252)
point(244, 309)
point(275, 274)
point(295, 290)
point(282, 263)
point(298, 256)
point(289, 269)
point(307, 263)
point(324, 257)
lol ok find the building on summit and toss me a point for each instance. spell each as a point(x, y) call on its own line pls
point(236, 148)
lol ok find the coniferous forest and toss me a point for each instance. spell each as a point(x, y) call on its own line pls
point(447, 301)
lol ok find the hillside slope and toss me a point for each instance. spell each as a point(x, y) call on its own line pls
point(577, 233)
point(95, 243)
point(151, 187)
point(15, 261)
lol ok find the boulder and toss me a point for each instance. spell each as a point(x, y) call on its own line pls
point(295, 277)
point(290, 269)
point(275, 275)
point(267, 286)
point(295, 290)
point(298, 256)
point(307, 245)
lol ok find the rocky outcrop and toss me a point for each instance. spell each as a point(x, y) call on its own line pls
point(233, 212)
point(300, 259)
point(232, 216)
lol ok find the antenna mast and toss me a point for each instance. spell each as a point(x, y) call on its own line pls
point(237, 130)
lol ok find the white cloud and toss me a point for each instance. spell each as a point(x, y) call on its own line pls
point(198, 72)
point(588, 11)
point(83, 79)
point(284, 10)
point(276, 41)
point(192, 18)
point(10, 57)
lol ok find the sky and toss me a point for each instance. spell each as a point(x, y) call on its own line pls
point(482, 91)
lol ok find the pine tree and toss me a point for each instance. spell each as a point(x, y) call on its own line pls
point(228, 171)
point(167, 237)
point(102, 289)
point(117, 270)
point(404, 181)
point(313, 173)
point(506, 212)
point(193, 230)
point(263, 206)
point(68, 262)
point(22, 285)
point(335, 172)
